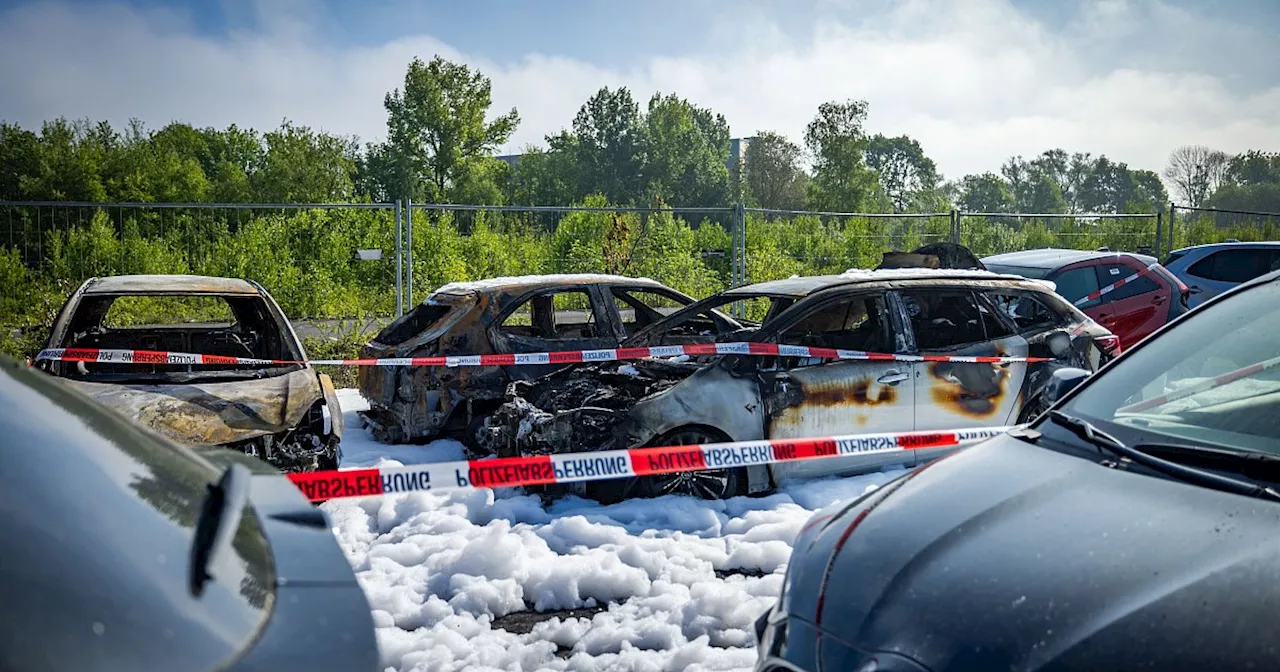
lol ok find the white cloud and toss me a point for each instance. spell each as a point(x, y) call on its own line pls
point(974, 82)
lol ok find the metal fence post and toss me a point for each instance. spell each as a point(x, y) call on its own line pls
point(1159, 231)
point(399, 263)
point(738, 266)
point(955, 227)
point(1173, 222)
point(408, 225)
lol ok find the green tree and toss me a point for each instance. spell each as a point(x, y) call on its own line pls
point(437, 133)
point(1254, 167)
point(1034, 189)
point(19, 160)
point(608, 146)
point(154, 167)
point(774, 178)
point(907, 176)
point(305, 166)
point(987, 192)
point(545, 177)
point(836, 140)
point(687, 151)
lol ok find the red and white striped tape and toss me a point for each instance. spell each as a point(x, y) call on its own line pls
point(611, 464)
point(1116, 285)
point(1202, 386)
point(530, 358)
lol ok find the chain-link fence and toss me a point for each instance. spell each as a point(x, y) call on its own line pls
point(782, 243)
point(690, 249)
point(326, 264)
point(1201, 226)
point(988, 233)
point(335, 266)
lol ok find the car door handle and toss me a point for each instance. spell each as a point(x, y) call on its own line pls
point(893, 378)
point(1159, 299)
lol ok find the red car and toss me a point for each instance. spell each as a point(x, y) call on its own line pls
point(1131, 311)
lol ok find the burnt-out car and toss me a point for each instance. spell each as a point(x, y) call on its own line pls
point(520, 314)
point(287, 414)
point(730, 397)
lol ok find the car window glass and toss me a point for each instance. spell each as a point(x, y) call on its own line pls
point(639, 308)
point(1232, 265)
point(1025, 310)
point(1076, 283)
point(943, 319)
point(1117, 272)
point(553, 315)
point(1213, 380)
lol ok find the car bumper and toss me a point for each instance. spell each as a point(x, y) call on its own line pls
point(791, 644)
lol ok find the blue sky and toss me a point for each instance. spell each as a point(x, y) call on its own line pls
point(975, 81)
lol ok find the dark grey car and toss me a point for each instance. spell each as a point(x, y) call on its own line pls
point(125, 551)
point(1131, 527)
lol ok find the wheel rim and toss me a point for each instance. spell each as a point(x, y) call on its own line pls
point(712, 484)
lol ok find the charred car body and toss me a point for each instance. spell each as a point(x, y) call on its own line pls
point(285, 414)
point(739, 397)
point(497, 316)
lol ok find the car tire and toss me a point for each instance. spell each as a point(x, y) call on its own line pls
point(709, 484)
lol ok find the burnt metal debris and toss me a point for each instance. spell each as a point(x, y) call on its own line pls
point(287, 415)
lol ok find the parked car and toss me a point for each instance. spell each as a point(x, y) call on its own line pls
point(497, 316)
point(126, 551)
point(1209, 270)
point(1125, 529)
point(1131, 312)
point(287, 414)
point(741, 398)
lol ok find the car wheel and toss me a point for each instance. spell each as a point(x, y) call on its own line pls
point(709, 484)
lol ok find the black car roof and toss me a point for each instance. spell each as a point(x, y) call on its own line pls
point(1054, 257)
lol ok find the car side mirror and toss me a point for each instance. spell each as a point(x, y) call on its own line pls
point(1062, 382)
point(1059, 343)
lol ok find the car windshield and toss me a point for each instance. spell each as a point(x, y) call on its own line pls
point(230, 325)
point(1212, 380)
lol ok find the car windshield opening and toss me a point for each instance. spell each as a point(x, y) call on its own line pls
point(1214, 381)
point(229, 326)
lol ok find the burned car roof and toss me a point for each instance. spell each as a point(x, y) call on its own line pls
point(185, 284)
point(806, 285)
point(536, 281)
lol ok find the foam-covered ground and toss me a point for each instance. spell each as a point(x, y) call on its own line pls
point(494, 580)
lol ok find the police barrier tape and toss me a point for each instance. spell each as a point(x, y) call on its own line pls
point(522, 359)
point(1116, 285)
point(506, 472)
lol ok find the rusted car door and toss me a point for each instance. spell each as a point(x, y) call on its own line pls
point(808, 397)
point(949, 395)
point(552, 320)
